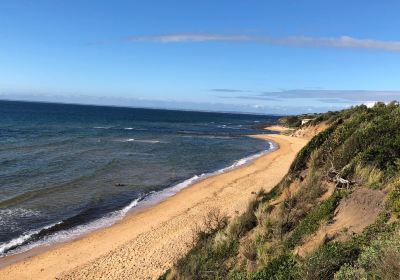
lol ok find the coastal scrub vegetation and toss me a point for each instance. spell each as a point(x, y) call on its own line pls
point(304, 228)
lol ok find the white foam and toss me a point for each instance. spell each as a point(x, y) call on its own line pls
point(129, 128)
point(141, 141)
point(68, 234)
point(148, 141)
point(102, 127)
point(21, 239)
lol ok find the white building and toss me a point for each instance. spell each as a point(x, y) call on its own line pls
point(304, 121)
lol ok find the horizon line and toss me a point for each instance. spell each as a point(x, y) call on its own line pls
point(146, 108)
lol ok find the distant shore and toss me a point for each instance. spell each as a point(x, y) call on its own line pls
point(146, 243)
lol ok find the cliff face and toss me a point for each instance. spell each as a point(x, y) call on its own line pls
point(334, 215)
point(309, 131)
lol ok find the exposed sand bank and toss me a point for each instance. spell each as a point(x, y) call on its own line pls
point(278, 128)
point(145, 244)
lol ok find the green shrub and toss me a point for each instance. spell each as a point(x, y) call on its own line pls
point(378, 260)
point(249, 250)
point(211, 248)
point(245, 222)
point(265, 197)
point(238, 275)
point(291, 121)
point(327, 260)
point(328, 117)
point(284, 267)
point(393, 198)
point(368, 176)
point(311, 188)
point(206, 261)
point(312, 221)
point(301, 159)
point(348, 272)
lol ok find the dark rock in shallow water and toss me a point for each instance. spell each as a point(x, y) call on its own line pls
point(120, 185)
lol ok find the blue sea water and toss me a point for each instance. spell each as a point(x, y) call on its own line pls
point(67, 169)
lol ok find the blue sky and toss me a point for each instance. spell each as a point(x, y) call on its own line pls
point(250, 56)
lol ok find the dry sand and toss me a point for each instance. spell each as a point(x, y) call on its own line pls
point(145, 244)
point(279, 128)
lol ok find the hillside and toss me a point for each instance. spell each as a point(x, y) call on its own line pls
point(335, 215)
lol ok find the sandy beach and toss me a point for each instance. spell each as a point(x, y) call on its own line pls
point(143, 245)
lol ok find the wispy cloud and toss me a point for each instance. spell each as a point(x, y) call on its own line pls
point(337, 101)
point(189, 37)
point(249, 97)
point(334, 95)
point(301, 41)
point(326, 96)
point(228, 90)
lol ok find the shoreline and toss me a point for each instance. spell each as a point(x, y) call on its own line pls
point(135, 206)
point(166, 223)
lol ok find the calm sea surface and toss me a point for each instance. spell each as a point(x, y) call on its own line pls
point(67, 169)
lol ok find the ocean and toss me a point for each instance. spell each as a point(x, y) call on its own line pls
point(69, 169)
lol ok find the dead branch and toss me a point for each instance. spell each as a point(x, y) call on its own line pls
point(336, 176)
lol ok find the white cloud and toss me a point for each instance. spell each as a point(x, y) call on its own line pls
point(189, 37)
point(334, 42)
point(337, 42)
point(326, 96)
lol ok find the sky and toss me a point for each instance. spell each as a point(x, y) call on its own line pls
point(273, 57)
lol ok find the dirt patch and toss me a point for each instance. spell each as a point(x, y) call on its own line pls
point(330, 188)
point(358, 211)
point(352, 216)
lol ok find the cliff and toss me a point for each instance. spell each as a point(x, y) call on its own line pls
point(335, 215)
